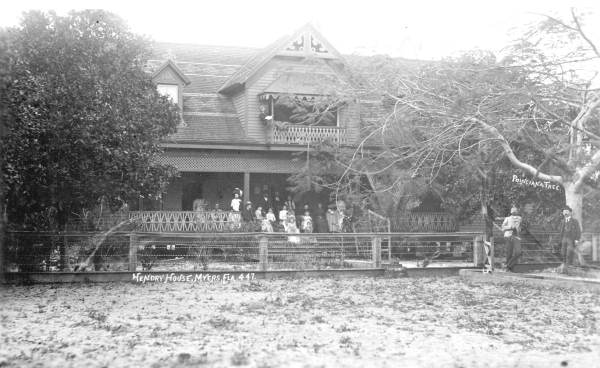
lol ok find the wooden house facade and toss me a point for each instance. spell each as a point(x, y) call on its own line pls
point(236, 129)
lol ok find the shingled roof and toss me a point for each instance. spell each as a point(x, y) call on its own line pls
point(209, 117)
point(209, 114)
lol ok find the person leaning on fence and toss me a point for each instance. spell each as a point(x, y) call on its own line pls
point(570, 233)
point(512, 231)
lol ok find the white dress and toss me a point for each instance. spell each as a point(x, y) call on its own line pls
point(235, 204)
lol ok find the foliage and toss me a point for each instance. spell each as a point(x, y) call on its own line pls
point(306, 110)
point(324, 170)
point(84, 121)
point(465, 125)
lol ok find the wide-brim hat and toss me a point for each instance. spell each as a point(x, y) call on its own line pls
point(332, 206)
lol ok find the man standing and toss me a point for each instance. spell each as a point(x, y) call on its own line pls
point(570, 232)
point(247, 215)
point(512, 230)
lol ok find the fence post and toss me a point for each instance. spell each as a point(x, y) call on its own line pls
point(133, 247)
point(376, 251)
point(491, 256)
point(595, 250)
point(263, 253)
point(389, 230)
point(478, 258)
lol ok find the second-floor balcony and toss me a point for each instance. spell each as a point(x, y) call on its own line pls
point(311, 134)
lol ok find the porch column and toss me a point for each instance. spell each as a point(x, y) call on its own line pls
point(246, 188)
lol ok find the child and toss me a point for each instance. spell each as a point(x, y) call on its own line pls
point(283, 217)
point(271, 216)
point(258, 213)
point(307, 224)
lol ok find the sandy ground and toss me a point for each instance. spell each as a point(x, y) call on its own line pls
point(359, 322)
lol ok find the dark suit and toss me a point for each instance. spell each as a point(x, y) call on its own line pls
point(265, 203)
point(569, 232)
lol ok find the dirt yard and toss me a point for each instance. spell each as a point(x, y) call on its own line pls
point(359, 322)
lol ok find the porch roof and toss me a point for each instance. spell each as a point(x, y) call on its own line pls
point(231, 161)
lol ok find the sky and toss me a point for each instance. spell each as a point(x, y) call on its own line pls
point(422, 29)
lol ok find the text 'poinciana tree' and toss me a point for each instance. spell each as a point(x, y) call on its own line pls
point(539, 101)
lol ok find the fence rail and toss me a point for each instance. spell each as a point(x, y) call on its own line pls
point(123, 251)
point(136, 251)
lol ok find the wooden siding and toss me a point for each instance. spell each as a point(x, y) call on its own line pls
point(349, 116)
point(240, 102)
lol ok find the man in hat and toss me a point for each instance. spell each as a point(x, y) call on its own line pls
point(247, 215)
point(512, 230)
point(264, 203)
point(570, 233)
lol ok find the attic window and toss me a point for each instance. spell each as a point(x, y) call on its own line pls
point(169, 90)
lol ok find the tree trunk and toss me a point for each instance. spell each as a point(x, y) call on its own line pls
point(379, 196)
point(2, 230)
point(574, 199)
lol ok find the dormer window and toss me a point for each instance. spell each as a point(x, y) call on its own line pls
point(170, 81)
point(169, 90)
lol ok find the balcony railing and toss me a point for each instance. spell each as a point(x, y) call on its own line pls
point(303, 134)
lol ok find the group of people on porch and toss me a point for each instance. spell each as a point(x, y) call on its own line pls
point(278, 215)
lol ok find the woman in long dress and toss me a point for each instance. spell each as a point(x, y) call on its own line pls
point(291, 228)
point(320, 221)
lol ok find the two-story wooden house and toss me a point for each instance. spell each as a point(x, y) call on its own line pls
point(238, 127)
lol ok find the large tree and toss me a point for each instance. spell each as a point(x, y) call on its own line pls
point(84, 120)
point(537, 109)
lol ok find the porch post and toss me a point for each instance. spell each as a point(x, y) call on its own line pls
point(246, 188)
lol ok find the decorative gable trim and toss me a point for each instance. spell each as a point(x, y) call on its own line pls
point(309, 42)
point(178, 73)
point(305, 42)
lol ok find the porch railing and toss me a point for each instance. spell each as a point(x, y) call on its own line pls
point(423, 222)
point(302, 134)
point(185, 221)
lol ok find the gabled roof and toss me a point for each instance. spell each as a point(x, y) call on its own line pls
point(170, 64)
point(305, 42)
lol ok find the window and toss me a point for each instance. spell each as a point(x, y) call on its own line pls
point(169, 90)
point(305, 110)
